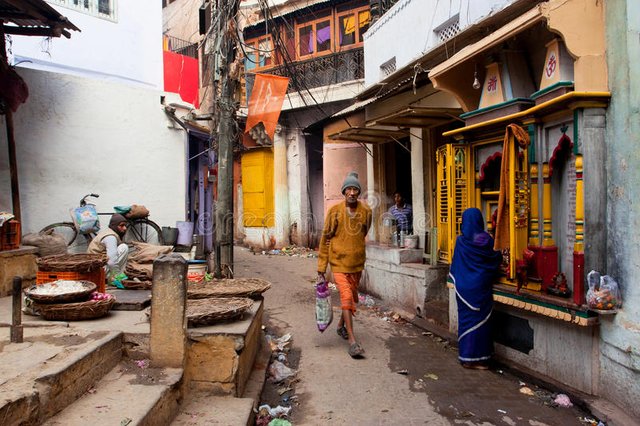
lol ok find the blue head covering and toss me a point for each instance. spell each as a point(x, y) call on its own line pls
point(475, 264)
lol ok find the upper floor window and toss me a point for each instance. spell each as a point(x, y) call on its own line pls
point(259, 53)
point(352, 26)
point(100, 8)
point(314, 37)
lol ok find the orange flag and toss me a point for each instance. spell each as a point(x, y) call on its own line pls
point(266, 101)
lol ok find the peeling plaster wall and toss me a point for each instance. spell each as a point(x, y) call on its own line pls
point(76, 135)
point(620, 346)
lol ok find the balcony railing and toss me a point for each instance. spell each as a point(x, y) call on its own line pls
point(318, 72)
point(182, 47)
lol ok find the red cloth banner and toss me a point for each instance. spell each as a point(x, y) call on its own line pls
point(181, 76)
point(266, 101)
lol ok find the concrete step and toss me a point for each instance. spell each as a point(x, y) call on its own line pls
point(43, 375)
point(131, 394)
point(204, 409)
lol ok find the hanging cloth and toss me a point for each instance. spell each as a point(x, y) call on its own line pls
point(502, 238)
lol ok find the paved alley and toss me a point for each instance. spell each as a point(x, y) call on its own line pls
point(408, 377)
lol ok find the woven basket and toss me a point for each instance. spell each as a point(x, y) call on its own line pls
point(209, 311)
point(234, 287)
point(35, 293)
point(75, 311)
point(81, 262)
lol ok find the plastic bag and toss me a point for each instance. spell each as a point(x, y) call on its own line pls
point(86, 219)
point(603, 292)
point(324, 311)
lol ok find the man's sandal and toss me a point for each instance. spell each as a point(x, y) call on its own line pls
point(356, 351)
point(342, 332)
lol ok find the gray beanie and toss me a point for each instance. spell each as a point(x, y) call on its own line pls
point(351, 180)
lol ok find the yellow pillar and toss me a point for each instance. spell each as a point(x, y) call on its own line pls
point(534, 229)
point(547, 234)
point(579, 243)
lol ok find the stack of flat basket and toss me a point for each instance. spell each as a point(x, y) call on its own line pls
point(54, 301)
point(222, 300)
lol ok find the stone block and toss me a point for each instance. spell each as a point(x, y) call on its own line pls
point(20, 262)
point(393, 255)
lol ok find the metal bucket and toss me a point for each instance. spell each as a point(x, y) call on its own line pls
point(411, 241)
point(169, 235)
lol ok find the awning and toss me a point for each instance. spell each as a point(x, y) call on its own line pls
point(494, 39)
point(414, 116)
point(375, 135)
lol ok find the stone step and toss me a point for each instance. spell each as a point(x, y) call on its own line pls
point(204, 409)
point(131, 394)
point(40, 378)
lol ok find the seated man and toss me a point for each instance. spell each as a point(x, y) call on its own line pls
point(403, 213)
point(109, 241)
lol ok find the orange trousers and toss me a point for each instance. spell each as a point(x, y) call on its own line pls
point(347, 284)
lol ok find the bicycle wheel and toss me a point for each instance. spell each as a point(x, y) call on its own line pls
point(75, 243)
point(143, 230)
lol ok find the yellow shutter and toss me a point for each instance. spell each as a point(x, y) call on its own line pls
point(452, 195)
point(257, 188)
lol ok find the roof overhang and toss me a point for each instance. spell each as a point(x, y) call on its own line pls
point(33, 18)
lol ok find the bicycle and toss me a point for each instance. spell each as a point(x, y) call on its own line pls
point(138, 230)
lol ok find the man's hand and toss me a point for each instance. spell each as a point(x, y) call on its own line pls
point(320, 278)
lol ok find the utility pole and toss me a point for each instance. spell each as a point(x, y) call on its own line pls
point(226, 111)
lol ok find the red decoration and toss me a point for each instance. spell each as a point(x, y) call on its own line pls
point(181, 76)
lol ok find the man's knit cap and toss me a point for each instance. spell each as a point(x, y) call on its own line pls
point(351, 180)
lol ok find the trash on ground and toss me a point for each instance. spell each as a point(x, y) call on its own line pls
point(563, 400)
point(431, 376)
point(427, 333)
point(284, 390)
point(279, 372)
point(502, 411)
point(404, 372)
point(274, 412)
point(142, 363)
point(279, 422)
point(527, 391)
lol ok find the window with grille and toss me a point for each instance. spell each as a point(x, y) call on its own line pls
point(449, 29)
point(101, 8)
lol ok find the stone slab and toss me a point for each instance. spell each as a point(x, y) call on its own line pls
point(203, 409)
point(130, 300)
point(393, 255)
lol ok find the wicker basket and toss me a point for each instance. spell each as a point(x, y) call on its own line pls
point(234, 287)
point(90, 309)
point(35, 293)
point(82, 262)
point(203, 312)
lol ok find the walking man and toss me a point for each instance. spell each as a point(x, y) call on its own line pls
point(343, 247)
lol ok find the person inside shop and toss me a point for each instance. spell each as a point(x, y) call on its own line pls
point(109, 241)
point(403, 212)
point(474, 267)
point(343, 247)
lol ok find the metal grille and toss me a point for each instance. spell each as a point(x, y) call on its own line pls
point(318, 72)
point(449, 31)
point(182, 47)
point(388, 67)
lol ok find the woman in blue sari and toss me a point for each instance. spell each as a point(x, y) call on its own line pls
point(474, 267)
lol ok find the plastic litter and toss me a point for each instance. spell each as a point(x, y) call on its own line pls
point(563, 400)
point(324, 311)
point(527, 391)
point(502, 411)
point(279, 422)
point(276, 411)
point(279, 372)
point(431, 376)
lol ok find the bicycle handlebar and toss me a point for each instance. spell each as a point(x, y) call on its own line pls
point(83, 201)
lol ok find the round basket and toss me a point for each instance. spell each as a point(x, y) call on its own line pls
point(90, 309)
point(80, 262)
point(46, 293)
point(233, 287)
point(203, 312)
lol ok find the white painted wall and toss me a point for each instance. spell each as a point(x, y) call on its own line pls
point(128, 49)
point(409, 27)
point(78, 135)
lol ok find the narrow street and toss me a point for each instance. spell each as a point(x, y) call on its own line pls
point(408, 377)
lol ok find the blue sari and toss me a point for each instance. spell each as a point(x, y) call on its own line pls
point(474, 267)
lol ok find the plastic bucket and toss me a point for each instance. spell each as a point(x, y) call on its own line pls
point(196, 271)
point(169, 235)
point(185, 233)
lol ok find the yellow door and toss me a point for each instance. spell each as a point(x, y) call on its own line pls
point(257, 188)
